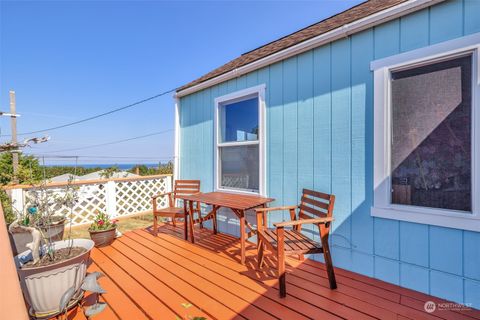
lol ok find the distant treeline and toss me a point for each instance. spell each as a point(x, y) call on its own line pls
point(143, 170)
point(162, 168)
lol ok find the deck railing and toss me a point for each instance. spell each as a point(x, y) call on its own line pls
point(118, 197)
point(12, 305)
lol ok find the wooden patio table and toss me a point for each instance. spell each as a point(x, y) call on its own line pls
point(238, 203)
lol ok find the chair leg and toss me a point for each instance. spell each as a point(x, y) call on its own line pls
point(281, 273)
point(155, 225)
point(173, 222)
point(185, 227)
point(260, 248)
point(328, 263)
point(301, 257)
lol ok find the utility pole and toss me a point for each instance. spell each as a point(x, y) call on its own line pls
point(13, 121)
point(13, 146)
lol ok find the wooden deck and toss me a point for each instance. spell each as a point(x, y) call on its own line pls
point(168, 278)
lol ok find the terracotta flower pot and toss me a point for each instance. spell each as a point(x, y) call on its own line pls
point(103, 237)
point(44, 286)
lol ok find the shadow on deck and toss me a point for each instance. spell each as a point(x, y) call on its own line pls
point(166, 277)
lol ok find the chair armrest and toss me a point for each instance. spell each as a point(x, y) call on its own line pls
point(262, 214)
point(161, 195)
point(303, 221)
point(260, 210)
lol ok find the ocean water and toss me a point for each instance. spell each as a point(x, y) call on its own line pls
point(121, 166)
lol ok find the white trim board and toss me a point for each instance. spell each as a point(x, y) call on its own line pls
point(176, 160)
point(382, 206)
point(380, 17)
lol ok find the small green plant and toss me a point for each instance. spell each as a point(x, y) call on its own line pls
point(6, 203)
point(102, 221)
point(187, 305)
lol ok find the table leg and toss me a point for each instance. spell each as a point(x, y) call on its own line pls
point(215, 208)
point(242, 236)
point(192, 239)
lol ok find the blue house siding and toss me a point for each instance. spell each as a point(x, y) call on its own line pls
point(320, 135)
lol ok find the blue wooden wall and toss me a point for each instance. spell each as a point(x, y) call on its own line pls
point(320, 135)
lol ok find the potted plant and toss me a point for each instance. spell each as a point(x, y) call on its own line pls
point(52, 270)
point(50, 219)
point(103, 230)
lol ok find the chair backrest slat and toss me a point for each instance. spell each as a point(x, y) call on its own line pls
point(316, 204)
point(185, 188)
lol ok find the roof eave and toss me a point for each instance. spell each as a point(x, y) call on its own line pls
point(330, 36)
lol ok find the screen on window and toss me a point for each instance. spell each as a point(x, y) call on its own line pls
point(431, 159)
point(239, 167)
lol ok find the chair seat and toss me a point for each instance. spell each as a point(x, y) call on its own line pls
point(295, 242)
point(171, 211)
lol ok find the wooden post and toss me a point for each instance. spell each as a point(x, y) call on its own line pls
point(18, 201)
point(13, 121)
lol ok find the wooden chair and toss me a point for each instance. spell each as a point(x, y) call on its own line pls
point(181, 187)
point(315, 208)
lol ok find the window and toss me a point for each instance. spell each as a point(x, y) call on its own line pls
point(426, 114)
point(240, 141)
point(431, 135)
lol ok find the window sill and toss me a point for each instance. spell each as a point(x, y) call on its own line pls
point(237, 191)
point(442, 218)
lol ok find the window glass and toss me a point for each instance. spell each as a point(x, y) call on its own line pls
point(239, 121)
point(431, 156)
point(239, 167)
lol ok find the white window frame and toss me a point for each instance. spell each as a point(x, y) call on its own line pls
point(382, 206)
point(240, 95)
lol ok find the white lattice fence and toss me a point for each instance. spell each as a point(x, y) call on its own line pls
point(117, 197)
point(136, 195)
point(91, 198)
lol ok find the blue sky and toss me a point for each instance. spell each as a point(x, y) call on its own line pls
point(68, 60)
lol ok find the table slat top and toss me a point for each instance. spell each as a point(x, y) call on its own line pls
point(228, 200)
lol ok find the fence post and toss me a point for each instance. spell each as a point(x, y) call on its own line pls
point(111, 198)
point(170, 184)
point(18, 202)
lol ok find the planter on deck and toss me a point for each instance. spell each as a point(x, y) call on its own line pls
point(18, 240)
point(103, 237)
point(44, 286)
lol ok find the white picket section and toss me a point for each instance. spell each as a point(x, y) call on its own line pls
point(120, 197)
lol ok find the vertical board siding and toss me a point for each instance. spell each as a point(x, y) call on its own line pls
point(362, 141)
point(341, 141)
point(275, 137)
point(290, 130)
point(471, 14)
point(319, 133)
point(446, 21)
point(305, 122)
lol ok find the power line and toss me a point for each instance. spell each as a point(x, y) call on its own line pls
point(112, 142)
point(99, 115)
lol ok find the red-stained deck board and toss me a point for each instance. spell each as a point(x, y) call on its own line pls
point(151, 277)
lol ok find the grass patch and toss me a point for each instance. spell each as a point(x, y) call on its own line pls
point(124, 225)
